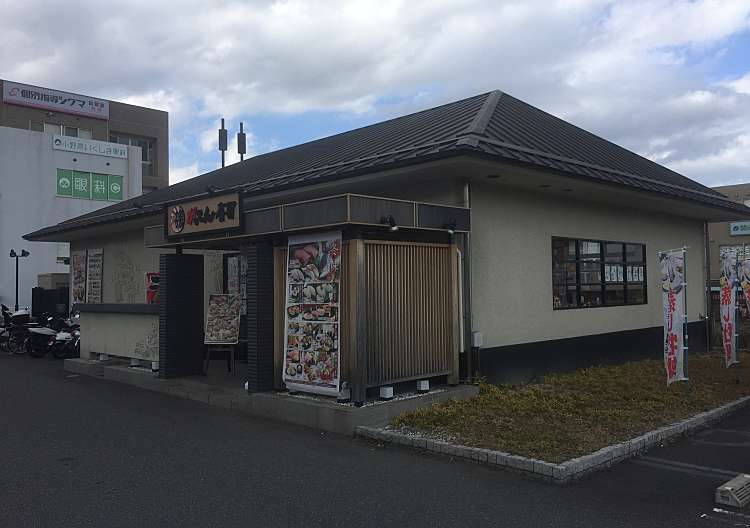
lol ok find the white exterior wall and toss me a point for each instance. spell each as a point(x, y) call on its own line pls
point(511, 260)
point(125, 262)
point(28, 201)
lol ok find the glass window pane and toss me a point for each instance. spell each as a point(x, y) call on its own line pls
point(636, 294)
point(591, 272)
point(112, 138)
point(614, 294)
point(591, 295)
point(563, 250)
point(146, 169)
point(589, 250)
point(613, 252)
point(613, 272)
point(635, 252)
point(51, 128)
point(36, 126)
point(564, 297)
point(84, 133)
point(636, 273)
point(71, 131)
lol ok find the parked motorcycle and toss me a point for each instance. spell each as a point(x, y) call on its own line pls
point(18, 327)
point(4, 327)
point(42, 335)
point(67, 342)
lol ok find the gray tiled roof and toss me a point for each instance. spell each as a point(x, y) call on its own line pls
point(492, 125)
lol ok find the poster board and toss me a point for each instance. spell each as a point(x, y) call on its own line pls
point(222, 319)
point(311, 329)
point(152, 287)
point(94, 262)
point(78, 276)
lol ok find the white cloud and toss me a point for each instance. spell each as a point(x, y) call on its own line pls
point(178, 174)
point(634, 71)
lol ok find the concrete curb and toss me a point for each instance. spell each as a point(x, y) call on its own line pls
point(569, 470)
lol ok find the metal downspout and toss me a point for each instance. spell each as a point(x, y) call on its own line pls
point(467, 349)
point(707, 272)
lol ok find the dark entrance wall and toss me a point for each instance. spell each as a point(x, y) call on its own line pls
point(181, 315)
point(530, 361)
point(260, 316)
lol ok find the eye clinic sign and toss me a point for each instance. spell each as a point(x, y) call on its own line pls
point(215, 213)
point(739, 228)
point(89, 146)
point(67, 103)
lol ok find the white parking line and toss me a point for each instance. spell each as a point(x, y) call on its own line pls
point(691, 469)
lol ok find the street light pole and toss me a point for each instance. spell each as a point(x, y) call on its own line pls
point(16, 256)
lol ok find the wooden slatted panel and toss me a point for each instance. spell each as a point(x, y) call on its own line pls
point(410, 311)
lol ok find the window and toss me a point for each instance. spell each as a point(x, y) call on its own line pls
point(590, 273)
point(147, 149)
point(52, 128)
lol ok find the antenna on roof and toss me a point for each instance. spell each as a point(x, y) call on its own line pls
point(222, 141)
point(241, 142)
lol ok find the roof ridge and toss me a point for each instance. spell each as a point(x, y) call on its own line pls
point(482, 117)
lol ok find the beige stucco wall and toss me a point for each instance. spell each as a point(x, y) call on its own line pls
point(117, 334)
point(512, 264)
point(125, 264)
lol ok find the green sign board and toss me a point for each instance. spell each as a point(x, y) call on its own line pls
point(64, 182)
point(98, 186)
point(81, 184)
point(89, 186)
point(115, 188)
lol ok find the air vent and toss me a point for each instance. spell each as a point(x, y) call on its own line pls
point(735, 493)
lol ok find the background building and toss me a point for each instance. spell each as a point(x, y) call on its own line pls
point(725, 234)
point(63, 155)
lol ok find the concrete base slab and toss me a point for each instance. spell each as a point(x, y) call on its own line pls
point(301, 410)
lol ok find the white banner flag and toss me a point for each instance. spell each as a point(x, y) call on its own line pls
point(673, 286)
point(311, 344)
point(728, 304)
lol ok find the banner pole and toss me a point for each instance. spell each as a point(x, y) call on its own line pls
point(686, 344)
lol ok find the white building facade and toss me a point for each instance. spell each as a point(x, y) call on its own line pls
point(46, 179)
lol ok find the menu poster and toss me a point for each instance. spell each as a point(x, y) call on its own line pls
point(78, 275)
point(223, 319)
point(236, 279)
point(94, 276)
point(311, 337)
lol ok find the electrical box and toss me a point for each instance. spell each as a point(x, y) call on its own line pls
point(477, 340)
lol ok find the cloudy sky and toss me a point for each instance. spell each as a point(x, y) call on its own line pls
point(668, 79)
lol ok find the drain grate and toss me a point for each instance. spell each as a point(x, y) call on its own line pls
point(735, 493)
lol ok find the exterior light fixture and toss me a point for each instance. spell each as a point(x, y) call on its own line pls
point(544, 186)
point(16, 256)
point(390, 222)
point(493, 176)
point(210, 190)
point(450, 226)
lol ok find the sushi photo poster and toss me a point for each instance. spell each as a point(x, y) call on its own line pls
point(311, 336)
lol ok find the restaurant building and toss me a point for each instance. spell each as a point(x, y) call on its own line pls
point(63, 155)
point(484, 236)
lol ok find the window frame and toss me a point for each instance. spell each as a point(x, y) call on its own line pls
point(603, 256)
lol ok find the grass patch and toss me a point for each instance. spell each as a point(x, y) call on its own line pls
point(576, 413)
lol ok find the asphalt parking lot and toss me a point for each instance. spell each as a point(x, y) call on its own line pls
point(78, 451)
